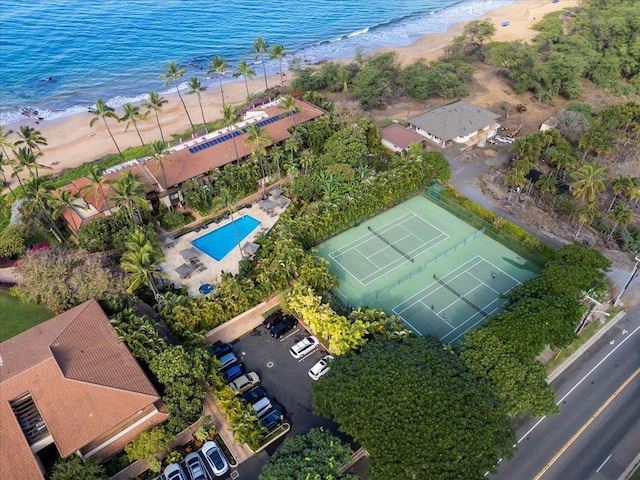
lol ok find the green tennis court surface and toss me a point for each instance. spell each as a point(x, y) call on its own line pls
point(418, 261)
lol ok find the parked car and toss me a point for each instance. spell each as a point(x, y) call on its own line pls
point(321, 367)
point(195, 467)
point(254, 394)
point(273, 319)
point(233, 372)
point(504, 139)
point(173, 471)
point(244, 383)
point(282, 327)
point(262, 406)
point(304, 347)
point(215, 458)
point(219, 349)
point(227, 360)
point(273, 419)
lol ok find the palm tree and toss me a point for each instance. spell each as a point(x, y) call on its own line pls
point(587, 182)
point(245, 70)
point(289, 106)
point(343, 76)
point(27, 158)
point(5, 143)
point(278, 52)
point(173, 73)
point(155, 103)
point(159, 151)
point(621, 185)
point(31, 137)
point(547, 185)
point(229, 119)
point(260, 47)
point(196, 87)
point(128, 193)
point(5, 162)
point(141, 262)
point(621, 215)
point(102, 111)
point(587, 213)
point(219, 66)
point(258, 139)
point(61, 200)
point(131, 116)
point(35, 193)
point(227, 199)
point(97, 183)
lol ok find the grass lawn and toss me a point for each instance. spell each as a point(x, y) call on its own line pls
point(16, 317)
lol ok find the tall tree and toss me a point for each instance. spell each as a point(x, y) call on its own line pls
point(5, 143)
point(159, 151)
point(173, 73)
point(227, 199)
point(97, 184)
point(390, 420)
point(101, 111)
point(258, 140)
point(196, 87)
point(587, 213)
point(142, 262)
point(588, 182)
point(219, 66)
point(260, 48)
point(229, 119)
point(30, 137)
point(621, 185)
point(621, 215)
point(277, 52)
point(131, 116)
point(245, 71)
point(128, 193)
point(60, 200)
point(290, 108)
point(35, 192)
point(28, 158)
point(5, 162)
point(155, 102)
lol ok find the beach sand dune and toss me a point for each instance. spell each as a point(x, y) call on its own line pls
point(71, 142)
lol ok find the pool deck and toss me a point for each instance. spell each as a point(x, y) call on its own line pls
point(229, 264)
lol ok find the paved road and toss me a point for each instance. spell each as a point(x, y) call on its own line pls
point(578, 442)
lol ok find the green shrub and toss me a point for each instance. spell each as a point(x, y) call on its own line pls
point(12, 243)
point(170, 220)
point(152, 442)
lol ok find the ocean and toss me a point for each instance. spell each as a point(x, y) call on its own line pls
point(58, 57)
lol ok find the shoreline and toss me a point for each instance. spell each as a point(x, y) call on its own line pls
point(71, 142)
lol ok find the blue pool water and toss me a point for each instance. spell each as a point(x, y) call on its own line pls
point(221, 241)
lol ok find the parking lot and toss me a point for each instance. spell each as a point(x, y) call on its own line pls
point(285, 379)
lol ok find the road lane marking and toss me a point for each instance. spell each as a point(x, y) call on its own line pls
point(605, 461)
point(586, 425)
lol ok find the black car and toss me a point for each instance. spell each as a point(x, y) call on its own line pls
point(273, 419)
point(219, 349)
point(286, 324)
point(273, 319)
point(254, 394)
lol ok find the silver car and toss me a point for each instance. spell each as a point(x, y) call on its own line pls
point(195, 466)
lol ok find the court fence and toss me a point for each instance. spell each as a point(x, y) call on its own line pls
point(372, 296)
point(491, 230)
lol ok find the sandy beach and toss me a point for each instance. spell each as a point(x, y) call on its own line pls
point(71, 142)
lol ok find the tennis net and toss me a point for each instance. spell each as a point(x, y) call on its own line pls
point(390, 244)
point(460, 295)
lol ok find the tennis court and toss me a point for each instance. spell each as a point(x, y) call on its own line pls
point(420, 262)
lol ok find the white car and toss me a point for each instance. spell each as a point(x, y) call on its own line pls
point(304, 347)
point(215, 458)
point(195, 467)
point(174, 472)
point(321, 367)
point(504, 139)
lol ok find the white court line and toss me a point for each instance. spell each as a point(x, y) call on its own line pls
point(605, 461)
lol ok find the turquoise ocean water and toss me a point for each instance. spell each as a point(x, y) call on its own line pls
point(57, 57)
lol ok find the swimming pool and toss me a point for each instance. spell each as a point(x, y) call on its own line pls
point(221, 241)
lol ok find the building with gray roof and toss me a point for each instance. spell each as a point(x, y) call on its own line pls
point(460, 122)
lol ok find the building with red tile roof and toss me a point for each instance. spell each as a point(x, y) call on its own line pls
point(70, 383)
point(397, 138)
point(193, 159)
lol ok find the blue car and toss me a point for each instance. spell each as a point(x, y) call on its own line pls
point(233, 372)
point(219, 349)
point(273, 419)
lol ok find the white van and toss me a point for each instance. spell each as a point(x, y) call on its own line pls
point(262, 407)
point(304, 347)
